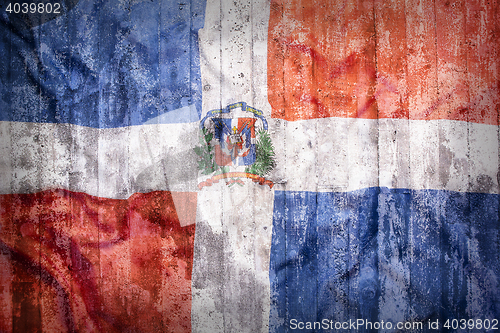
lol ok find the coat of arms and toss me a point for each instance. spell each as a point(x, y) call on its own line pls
point(235, 144)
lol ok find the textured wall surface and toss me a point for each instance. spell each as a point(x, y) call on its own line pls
point(250, 166)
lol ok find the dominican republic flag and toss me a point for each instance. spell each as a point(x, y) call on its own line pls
point(383, 116)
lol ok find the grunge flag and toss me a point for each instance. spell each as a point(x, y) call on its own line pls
point(140, 190)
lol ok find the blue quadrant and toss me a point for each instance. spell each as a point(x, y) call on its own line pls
point(378, 254)
point(104, 64)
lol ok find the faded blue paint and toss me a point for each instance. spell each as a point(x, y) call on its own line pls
point(333, 253)
point(104, 64)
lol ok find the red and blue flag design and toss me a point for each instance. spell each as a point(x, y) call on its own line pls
point(383, 197)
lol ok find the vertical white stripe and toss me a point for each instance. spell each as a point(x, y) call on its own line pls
point(230, 281)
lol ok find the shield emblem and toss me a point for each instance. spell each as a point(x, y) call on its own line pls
point(234, 145)
point(235, 141)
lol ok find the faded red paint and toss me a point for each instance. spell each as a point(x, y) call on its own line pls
point(384, 59)
point(321, 60)
point(88, 264)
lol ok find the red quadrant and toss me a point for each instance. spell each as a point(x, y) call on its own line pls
point(83, 263)
point(413, 59)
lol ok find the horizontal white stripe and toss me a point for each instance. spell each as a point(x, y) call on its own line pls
point(112, 163)
point(339, 154)
point(331, 154)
